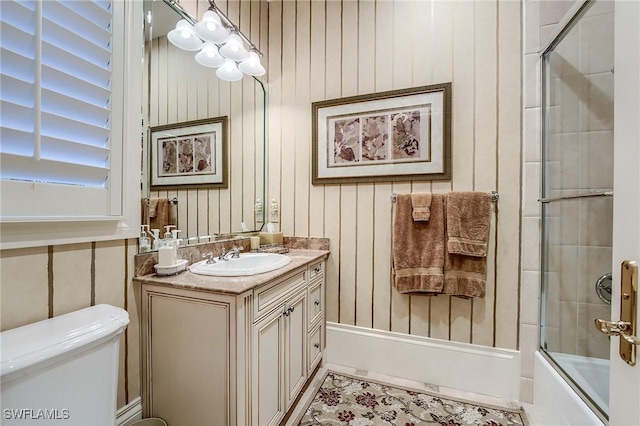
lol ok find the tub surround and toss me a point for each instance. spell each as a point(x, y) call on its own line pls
point(233, 285)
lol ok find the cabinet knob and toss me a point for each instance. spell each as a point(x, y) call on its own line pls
point(316, 345)
point(317, 303)
point(317, 269)
point(288, 311)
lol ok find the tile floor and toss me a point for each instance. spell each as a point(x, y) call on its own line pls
point(532, 416)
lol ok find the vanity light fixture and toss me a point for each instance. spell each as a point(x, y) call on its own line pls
point(221, 45)
point(210, 28)
point(184, 36)
point(209, 56)
point(252, 65)
point(229, 71)
point(234, 49)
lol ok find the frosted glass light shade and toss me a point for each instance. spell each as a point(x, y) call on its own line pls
point(209, 56)
point(210, 28)
point(184, 37)
point(252, 66)
point(234, 49)
point(229, 71)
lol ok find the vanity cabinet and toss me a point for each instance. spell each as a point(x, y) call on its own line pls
point(214, 358)
point(279, 367)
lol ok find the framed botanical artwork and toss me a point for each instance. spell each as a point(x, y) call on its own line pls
point(398, 135)
point(189, 153)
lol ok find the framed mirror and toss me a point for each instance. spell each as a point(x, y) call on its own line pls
point(181, 92)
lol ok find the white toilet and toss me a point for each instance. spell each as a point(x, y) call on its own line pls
point(64, 370)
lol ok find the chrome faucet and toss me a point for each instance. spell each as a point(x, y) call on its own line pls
point(210, 259)
point(234, 253)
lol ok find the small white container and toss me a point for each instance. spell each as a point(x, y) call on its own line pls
point(178, 267)
point(166, 256)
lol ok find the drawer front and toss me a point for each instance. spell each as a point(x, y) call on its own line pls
point(315, 345)
point(316, 301)
point(316, 272)
point(271, 295)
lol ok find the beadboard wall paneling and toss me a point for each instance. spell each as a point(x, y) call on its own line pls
point(42, 282)
point(330, 49)
point(183, 90)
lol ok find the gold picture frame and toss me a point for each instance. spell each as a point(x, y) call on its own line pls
point(189, 153)
point(399, 135)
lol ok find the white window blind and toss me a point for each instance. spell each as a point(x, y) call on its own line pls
point(56, 122)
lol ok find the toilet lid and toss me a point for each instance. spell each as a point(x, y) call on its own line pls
point(31, 344)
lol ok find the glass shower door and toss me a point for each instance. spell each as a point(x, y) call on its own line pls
point(577, 206)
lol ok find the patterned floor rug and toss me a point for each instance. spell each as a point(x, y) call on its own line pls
point(345, 400)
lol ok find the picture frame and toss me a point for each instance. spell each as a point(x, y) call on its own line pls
point(398, 135)
point(189, 153)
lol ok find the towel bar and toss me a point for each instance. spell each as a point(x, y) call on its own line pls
point(494, 196)
point(174, 200)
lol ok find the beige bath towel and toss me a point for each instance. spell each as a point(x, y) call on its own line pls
point(418, 248)
point(421, 206)
point(465, 276)
point(467, 223)
point(159, 213)
point(468, 217)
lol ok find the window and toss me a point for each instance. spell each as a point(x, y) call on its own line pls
point(68, 104)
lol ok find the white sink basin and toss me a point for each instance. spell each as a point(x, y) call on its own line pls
point(246, 264)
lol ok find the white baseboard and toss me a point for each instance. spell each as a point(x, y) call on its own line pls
point(129, 413)
point(472, 368)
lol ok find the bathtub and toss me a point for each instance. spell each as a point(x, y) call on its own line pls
point(556, 401)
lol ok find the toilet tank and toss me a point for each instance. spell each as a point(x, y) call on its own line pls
point(64, 370)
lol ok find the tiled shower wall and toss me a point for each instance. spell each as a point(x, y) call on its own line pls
point(541, 20)
point(580, 160)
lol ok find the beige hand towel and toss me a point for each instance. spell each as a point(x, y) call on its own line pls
point(468, 217)
point(418, 248)
point(421, 206)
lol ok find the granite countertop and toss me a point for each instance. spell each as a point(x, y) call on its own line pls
point(233, 285)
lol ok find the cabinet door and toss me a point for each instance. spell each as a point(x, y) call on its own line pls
point(296, 346)
point(268, 405)
point(189, 365)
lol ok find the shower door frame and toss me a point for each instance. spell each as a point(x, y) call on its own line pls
point(572, 17)
point(624, 379)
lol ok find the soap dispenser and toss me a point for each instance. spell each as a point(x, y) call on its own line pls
point(166, 250)
point(144, 244)
point(167, 239)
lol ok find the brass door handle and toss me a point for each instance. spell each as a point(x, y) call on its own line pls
point(617, 328)
point(627, 327)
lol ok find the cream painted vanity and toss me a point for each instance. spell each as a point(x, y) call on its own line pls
point(231, 350)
